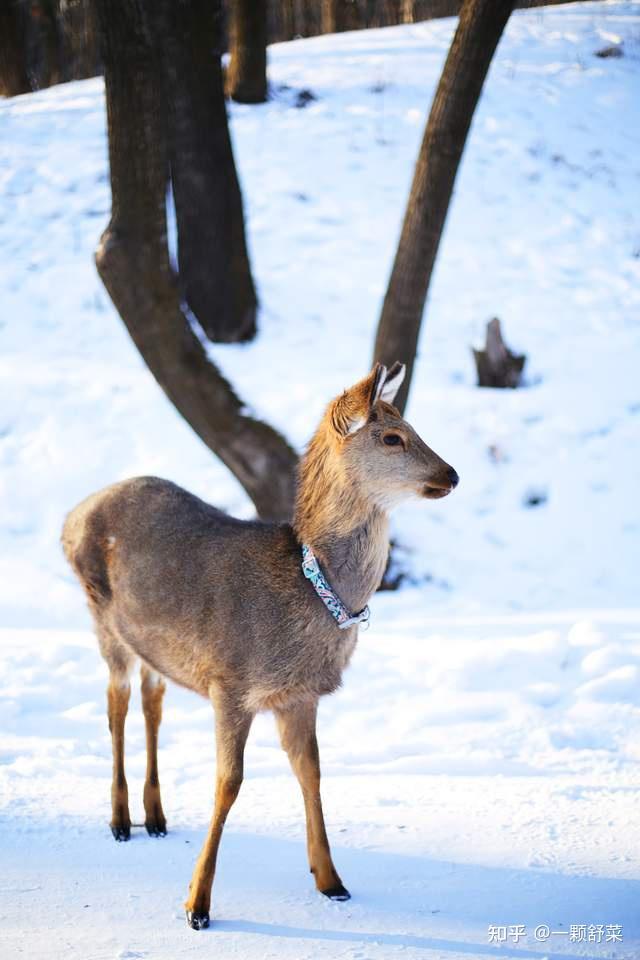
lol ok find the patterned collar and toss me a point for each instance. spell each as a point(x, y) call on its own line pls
point(331, 600)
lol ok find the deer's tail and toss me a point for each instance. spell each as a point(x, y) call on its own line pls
point(86, 547)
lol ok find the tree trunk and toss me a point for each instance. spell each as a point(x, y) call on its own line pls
point(329, 16)
point(283, 20)
point(214, 271)
point(133, 262)
point(51, 43)
point(479, 30)
point(14, 77)
point(247, 73)
point(340, 15)
point(81, 58)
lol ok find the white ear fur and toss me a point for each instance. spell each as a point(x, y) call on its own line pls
point(356, 425)
point(391, 386)
point(348, 418)
point(379, 387)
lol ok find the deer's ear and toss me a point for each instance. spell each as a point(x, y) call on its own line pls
point(351, 410)
point(392, 382)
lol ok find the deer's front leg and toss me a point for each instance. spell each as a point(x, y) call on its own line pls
point(232, 729)
point(297, 727)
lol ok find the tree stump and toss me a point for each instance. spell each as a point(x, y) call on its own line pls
point(497, 366)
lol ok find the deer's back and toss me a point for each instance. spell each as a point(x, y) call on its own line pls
point(203, 597)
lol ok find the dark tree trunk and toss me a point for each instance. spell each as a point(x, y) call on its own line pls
point(479, 30)
point(281, 20)
point(340, 15)
point(133, 262)
point(215, 276)
point(81, 58)
point(51, 43)
point(247, 73)
point(14, 76)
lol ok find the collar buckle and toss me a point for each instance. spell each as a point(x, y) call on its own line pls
point(362, 617)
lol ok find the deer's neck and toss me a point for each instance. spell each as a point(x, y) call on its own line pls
point(348, 534)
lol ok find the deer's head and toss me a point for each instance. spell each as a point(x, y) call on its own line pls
point(378, 450)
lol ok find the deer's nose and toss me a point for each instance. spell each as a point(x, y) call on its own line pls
point(454, 479)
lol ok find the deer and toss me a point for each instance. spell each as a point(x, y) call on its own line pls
point(254, 616)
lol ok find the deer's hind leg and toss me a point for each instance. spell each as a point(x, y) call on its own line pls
point(297, 727)
point(153, 688)
point(120, 660)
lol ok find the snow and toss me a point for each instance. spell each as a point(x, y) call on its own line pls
point(474, 774)
point(481, 762)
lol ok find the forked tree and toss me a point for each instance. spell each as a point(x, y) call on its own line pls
point(167, 125)
point(479, 30)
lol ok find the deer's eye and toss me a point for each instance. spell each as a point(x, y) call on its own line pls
point(392, 439)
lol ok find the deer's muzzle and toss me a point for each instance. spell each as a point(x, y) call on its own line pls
point(435, 489)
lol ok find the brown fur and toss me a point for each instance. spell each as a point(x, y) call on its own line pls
point(118, 704)
point(152, 688)
point(221, 606)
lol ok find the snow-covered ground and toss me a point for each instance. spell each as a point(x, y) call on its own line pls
point(482, 762)
point(475, 773)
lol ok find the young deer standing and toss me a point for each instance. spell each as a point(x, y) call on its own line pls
point(225, 608)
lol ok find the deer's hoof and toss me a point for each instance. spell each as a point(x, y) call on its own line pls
point(338, 892)
point(121, 833)
point(156, 829)
point(197, 921)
